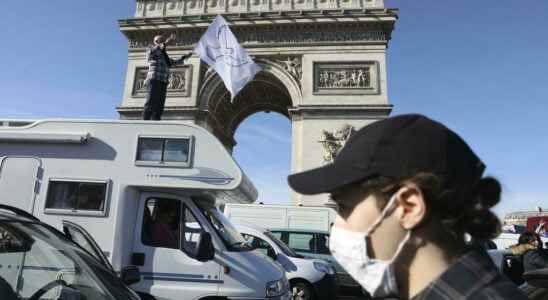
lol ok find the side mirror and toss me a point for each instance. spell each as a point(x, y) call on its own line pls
point(130, 275)
point(205, 250)
point(70, 293)
point(270, 253)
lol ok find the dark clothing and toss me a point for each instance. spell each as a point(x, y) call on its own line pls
point(157, 81)
point(156, 99)
point(472, 277)
point(159, 63)
point(534, 260)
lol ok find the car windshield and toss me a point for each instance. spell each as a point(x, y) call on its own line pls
point(285, 249)
point(39, 261)
point(230, 236)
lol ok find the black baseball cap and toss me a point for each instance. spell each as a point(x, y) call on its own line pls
point(397, 148)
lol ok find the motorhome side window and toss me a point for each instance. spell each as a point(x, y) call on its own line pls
point(76, 196)
point(163, 150)
point(162, 224)
point(191, 232)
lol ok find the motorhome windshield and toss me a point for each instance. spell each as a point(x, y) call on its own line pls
point(44, 265)
point(231, 237)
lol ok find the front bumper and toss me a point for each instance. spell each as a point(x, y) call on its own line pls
point(326, 288)
point(286, 296)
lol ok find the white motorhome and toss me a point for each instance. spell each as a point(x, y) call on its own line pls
point(147, 192)
point(281, 216)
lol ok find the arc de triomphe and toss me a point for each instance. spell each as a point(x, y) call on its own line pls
point(323, 65)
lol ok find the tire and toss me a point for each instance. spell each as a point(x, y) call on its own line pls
point(301, 291)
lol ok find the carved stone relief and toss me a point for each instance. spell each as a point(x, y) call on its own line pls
point(334, 141)
point(178, 83)
point(293, 66)
point(346, 77)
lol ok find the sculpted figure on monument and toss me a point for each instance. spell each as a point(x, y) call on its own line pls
point(293, 67)
point(333, 142)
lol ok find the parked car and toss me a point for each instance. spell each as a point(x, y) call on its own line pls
point(533, 283)
point(508, 264)
point(536, 286)
point(39, 262)
point(315, 244)
point(309, 278)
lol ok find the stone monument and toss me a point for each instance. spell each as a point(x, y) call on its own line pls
point(324, 67)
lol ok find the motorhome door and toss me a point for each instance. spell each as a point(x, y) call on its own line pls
point(19, 181)
point(81, 237)
point(164, 246)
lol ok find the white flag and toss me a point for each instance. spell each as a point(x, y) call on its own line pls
point(219, 48)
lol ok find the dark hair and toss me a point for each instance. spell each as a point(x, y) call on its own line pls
point(527, 237)
point(459, 210)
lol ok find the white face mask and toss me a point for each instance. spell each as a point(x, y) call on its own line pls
point(350, 249)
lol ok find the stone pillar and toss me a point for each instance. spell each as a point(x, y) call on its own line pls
point(339, 89)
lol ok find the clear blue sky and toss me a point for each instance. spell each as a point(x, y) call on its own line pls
point(478, 66)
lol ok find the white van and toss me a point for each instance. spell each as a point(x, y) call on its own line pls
point(312, 279)
point(147, 192)
point(281, 216)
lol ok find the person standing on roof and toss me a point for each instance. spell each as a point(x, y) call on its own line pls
point(157, 78)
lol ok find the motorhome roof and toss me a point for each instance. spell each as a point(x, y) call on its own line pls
point(111, 149)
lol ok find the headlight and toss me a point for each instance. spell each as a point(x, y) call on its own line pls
point(323, 267)
point(275, 288)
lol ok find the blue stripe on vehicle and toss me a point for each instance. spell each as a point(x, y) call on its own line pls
point(210, 180)
point(179, 279)
point(172, 274)
point(44, 268)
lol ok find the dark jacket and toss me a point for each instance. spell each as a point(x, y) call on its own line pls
point(472, 277)
point(534, 259)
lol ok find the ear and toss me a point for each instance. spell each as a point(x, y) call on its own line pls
point(412, 206)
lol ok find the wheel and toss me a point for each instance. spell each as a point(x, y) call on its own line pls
point(301, 291)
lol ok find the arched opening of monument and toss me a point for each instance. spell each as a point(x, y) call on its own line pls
point(265, 93)
point(259, 113)
point(264, 152)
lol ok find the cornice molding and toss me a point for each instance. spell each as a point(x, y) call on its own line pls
point(241, 18)
point(345, 111)
point(268, 35)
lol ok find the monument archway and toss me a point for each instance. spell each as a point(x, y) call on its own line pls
point(272, 90)
point(324, 67)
